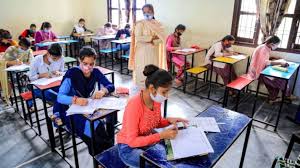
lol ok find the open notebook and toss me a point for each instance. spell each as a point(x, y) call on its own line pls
point(46, 81)
point(187, 50)
point(94, 104)
point(188, 142)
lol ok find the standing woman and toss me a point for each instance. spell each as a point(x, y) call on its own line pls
point(79, 84)
point(147, 45)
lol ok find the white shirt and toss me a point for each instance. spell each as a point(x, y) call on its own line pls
point(216, 50)
point(79, 29)
point(38, 66)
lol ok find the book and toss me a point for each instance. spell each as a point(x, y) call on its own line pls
point(95, 104)
point(188, 142)
point(46, 81)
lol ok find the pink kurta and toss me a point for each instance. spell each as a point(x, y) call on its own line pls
point(41, 36)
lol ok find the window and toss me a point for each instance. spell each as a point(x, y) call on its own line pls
point(246, 26)
point(117, 11)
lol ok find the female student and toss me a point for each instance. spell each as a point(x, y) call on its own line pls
point(29, 33)
point(79, 84)
point(45, 35)
point(142, 114)
point(174, 43)
point(222, 48)
point(6, 40)
point(147, 45)
point(80, 28)
point(123, 34)
point(46, 66)
point(107, 29)
point(17, 55)
point(260, 60)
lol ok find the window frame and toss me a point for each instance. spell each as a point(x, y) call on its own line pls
point(292, 47)
point(110, 9)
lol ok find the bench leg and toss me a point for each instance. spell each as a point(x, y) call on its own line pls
point(196, 83)
point(237, 101)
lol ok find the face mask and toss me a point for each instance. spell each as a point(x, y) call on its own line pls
point(21, 50)
point(81, 25)
point(227, 45)
point(179, 34)
point(148, 16)
point(158, 98)
point(50, 60)
point(274, 46)
point(86, 68)
point(46, 30)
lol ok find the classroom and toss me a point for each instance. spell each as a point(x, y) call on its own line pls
point(150, 83)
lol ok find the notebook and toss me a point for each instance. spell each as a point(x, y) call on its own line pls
point(94, 104)
point(238, 57)
point(187, 50)
point(188, 142)
point(46, 81)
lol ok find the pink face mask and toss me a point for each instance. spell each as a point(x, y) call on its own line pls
point(86, 68)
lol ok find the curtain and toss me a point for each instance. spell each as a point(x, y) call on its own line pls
point(127, 9)
point(270, 14)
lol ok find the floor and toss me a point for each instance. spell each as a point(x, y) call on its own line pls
point(21, 147)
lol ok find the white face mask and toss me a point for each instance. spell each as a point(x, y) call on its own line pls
point(158, 98)
point(21, 50)
point(148, 16)
point(274, 46)
point(46, 30)
point(50, 60)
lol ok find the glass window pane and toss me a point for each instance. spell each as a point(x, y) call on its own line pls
point(246, 27)
point(248, 6)
point(122, 4)
point(292, 6)
point(298, 36)
point(283, 31)
point(115, 3)
point(139, 15)
point(140, 3)
point(123, 19)
point(115, 17)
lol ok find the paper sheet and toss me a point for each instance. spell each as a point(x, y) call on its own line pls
point(17, 67)
point(46, 81)
point(207, 124)
point(238, 57)
point(187, 50)
point(94, 104)
point(190, 142)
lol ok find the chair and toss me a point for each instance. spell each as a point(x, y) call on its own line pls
point(106, 53)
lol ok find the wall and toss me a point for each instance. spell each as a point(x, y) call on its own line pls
point(207, 22)
point(16, 15)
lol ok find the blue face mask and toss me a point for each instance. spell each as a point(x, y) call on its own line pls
point(148, 16)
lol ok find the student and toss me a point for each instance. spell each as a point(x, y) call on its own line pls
point(147, 45)
point(222, 48)
point(260, 60)
point(80, 28)
point(45, 35)
point(107, 29)
point(143, 114)
point(29, 33)
point(79, 84)
point(6, 40)
point(174, 43)
point(17, 55)
point(123, 34)
point(46, 66)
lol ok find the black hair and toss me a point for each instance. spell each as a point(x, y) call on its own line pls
point(228, 38)
point(24, 42)
point(87, 52)
point(108, 24)
point(272, 40)
point(55, 50)
point(5, 34)
point(127, 26)
point(46, 25)
point(157, 77)
point(81, 20)
point(150, 6)
point(180, 27)
point(32, 25)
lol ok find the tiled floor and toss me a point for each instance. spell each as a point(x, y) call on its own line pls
point(21, 147)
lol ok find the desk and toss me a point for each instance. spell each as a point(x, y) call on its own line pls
point(235, 125)
point(269, 71)
point(62, 42)
point(226, 60)
point(99, 38)
point(69, 60)
point(107, 72)
point(185, 54)
point(121, 42)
